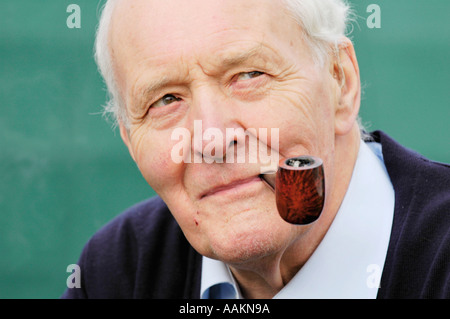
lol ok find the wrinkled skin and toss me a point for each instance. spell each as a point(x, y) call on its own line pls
point(234, 64)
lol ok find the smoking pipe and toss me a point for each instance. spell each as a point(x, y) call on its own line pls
point(299, 186)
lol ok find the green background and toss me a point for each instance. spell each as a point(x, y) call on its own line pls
point(65, 172)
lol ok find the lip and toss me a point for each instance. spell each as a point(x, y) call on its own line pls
point(234, 185)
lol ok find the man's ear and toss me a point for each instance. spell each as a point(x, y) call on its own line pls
point(125, 134)
point(344, 68)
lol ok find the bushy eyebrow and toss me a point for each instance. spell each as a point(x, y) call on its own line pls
point(242, 57)
point(155, 86)
point(142, 94)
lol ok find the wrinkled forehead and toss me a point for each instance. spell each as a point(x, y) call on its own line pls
point(176, 14)
point(155, 26)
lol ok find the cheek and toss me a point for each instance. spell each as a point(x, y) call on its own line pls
point(166, 177)
point(153, 158)
point(296, 115)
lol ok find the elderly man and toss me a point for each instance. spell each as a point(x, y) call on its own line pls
point(214, 231)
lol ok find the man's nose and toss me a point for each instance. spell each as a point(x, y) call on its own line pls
point(213, 115)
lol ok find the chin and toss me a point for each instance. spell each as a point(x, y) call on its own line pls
point(238, 244)
point(239, 231)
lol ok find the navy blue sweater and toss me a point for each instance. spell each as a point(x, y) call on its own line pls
point(142, 253)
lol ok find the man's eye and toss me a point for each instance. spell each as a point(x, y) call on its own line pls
point(248, 75)
point(165, 100)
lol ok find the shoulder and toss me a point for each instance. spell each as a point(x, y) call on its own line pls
point(417, 263)
point(137, 255)
point(145, 220)
point(401, 158)
point(417, 180)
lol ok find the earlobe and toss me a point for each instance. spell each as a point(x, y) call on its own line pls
point(125, 135)
point(345, 70)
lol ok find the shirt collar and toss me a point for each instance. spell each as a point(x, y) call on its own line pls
point(349, 260)
point(217, 281)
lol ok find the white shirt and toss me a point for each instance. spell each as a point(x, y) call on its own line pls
point(349, 260)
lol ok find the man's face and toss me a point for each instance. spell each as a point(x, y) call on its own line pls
point(229, 64)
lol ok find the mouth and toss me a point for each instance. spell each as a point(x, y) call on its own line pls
point(234, 186)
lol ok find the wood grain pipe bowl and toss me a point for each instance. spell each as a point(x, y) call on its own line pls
point(299, 186)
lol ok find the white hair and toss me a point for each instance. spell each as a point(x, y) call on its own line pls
point(324, 23)
point(114, 107)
